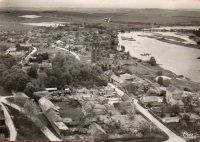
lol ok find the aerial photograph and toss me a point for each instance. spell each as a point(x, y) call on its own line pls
point(100, 70)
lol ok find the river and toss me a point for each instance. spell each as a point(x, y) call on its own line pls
point(178, 59)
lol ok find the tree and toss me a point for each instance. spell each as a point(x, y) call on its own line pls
point(14, 79)
point(160, 81)
point(166, 83)
point(29, 90)
point(163, 108)
point(20, 101)
point(159, 73)
point(39, 59)
point(144, 129)
point(31, 109)
point(152, 61)
point(186, 100)
point(131, 116)
point(8, 60)
point(186, 117)
point(175, 109)
point(32, 72)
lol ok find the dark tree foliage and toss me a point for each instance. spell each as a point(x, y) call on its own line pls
point(14, 79)
point(160, 80)
point(69, 71)
point(7, 60)
point(32, 72)
point(152, 61)
point(197, 32)
point(45, 56)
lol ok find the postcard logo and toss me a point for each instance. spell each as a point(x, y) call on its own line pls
point(189, 135)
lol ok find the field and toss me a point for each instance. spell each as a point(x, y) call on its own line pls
point(68, 111)
point(11, 20)
point(52, 52)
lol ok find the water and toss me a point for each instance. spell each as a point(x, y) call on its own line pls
point(178, 59)
point(180, 27)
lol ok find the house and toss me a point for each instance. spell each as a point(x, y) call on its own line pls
point(51, 89)
point(11, 50)
point(110, 65)
point(174, 96)
point(150, 100)
point(97, 132)
point(118, 81)
point(126, 98)
point(45, 65)
point(26, 45)
point(52, 114)
point(193, 117)
point(170, 119)
point(59, 43)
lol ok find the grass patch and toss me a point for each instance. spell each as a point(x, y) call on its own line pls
point(179, 129)
point(26, 130)
point(67, 110)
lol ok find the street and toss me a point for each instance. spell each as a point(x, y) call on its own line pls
point(9, 123)
point(172, 136)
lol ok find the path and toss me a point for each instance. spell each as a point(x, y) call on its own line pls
point(9, 123)
point(44, 130)
point(172, 136)
point(77, 57)
point(29, 55)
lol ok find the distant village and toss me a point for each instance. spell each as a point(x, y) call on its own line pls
point(115, 109)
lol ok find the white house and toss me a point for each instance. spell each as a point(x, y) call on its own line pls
point(174, 96)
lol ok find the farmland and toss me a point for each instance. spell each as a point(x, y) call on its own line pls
point(11, 20)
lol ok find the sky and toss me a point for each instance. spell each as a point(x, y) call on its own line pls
point(163, 4)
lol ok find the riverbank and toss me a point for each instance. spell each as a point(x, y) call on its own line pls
point(143, 69)
point(173, 57)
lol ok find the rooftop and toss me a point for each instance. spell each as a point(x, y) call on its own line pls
point(148, 99)
point(61, 125)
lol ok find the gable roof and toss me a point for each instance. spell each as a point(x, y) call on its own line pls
point(53, 116)
point(174, 90)
point(125, 97)
point(117, 78)
point(94, 128)
point(46, 104)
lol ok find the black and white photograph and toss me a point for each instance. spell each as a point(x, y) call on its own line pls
point(100, 70)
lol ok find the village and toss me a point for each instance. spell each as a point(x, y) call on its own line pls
point(105, 93)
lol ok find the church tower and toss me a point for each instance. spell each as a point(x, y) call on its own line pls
point(95, 55)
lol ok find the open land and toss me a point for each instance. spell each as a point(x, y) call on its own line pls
point(78, 92)
point(11, 20)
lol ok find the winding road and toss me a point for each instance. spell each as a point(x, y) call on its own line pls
point(76, 56)
point(9, 123)
point(172, 136)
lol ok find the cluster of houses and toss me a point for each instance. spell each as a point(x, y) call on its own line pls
point(98, 108)
point(174, 96)
point(20, 51)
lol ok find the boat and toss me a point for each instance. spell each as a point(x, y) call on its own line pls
point(128, 38)
point(145, 54)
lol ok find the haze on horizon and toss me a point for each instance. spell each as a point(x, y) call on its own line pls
point(162, 4)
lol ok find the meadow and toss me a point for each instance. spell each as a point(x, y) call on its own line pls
point(11, 20)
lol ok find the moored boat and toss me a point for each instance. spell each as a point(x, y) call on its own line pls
point(128, 38)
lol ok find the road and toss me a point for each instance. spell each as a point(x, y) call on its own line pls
point(9, 123)
point(46, 131)
point(29, 55)
point(172, 136)
point(77, 57)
